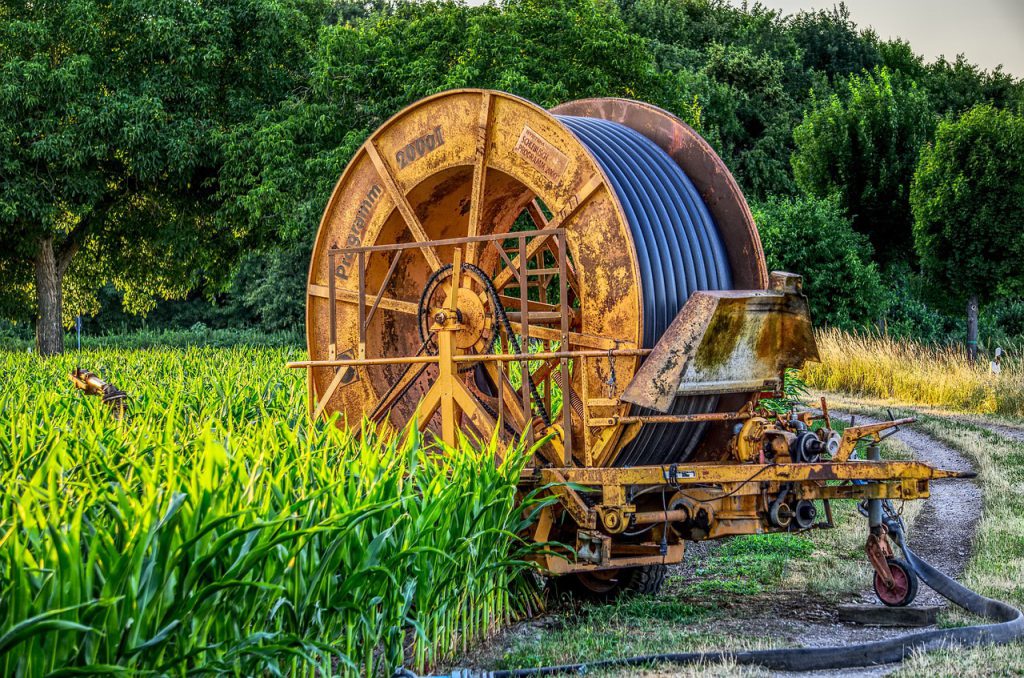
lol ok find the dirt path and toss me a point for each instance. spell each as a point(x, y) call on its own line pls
point(941, 534)
point(943, 531)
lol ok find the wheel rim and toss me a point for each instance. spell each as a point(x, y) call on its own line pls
point(601, 581)
point(897, 593)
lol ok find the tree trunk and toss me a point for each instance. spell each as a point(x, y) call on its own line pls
point(49, 326)
point(972, 328)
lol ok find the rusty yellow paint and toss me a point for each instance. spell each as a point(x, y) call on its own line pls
point(456, 164)
point(447, 178)
point(712, 473)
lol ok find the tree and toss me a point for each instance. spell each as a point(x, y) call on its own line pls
point(968, 202)
point(812, 237)
point(830, 42)
point(281, 165)
point(955, 87)
point(864, 148)
point(112, 117)
point(740, 70)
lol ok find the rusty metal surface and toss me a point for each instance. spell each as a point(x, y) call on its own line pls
point(466, 163)
point(419, 230)
point(414, 181)
point(92, 384)
point(884, 471)
point(727, 342)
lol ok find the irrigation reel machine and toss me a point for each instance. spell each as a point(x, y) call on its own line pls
point(589, 277)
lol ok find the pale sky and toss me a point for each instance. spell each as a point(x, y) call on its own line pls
point(987, 32)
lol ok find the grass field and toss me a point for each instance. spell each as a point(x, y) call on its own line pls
point(217, 530)
point(940, 387)
point(907, 372)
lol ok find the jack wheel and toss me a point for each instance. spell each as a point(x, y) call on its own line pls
point(904, 588)
point(604, 586)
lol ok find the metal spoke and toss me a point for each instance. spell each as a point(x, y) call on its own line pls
point(558, 221)
point(352, 297)
point(402, 203)
point(576, 339)
point(476, 196)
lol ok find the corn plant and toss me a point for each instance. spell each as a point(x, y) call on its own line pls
point(216, 530)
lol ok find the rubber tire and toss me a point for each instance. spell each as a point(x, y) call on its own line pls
point(908, 598)
point(645, 580)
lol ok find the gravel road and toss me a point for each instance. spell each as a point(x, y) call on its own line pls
point(941, 535)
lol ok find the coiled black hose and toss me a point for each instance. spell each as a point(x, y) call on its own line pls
point(679, 251)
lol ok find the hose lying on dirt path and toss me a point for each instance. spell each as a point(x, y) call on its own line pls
point(1008, 626)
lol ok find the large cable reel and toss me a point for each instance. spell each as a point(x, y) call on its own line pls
point(649, 213)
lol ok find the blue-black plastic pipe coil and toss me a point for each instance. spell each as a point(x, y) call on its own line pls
point(679, 251)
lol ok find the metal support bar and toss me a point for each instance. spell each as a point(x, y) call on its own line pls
point(564, 326)
point(490, 358)
point(332, 306)
point(670, 418)
point(717, 473)
point(545, 233)
point(361, 305)
point(524, 371)
point(874, 505)
point(383, 286)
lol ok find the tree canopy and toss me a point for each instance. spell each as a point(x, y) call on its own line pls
point(862, 147)
point(160, 148)
point(113, 116)
point(968, 202)
point(814, 237)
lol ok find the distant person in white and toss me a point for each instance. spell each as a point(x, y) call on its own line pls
point(994, 365)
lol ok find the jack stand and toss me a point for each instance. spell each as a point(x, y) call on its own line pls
point(895, 582)
point(878, 548)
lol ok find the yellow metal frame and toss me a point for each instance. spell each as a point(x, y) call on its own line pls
point(445, 181)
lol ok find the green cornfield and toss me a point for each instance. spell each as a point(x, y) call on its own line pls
point(216, 530)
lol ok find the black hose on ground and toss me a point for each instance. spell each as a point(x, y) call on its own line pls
point(1008, 627)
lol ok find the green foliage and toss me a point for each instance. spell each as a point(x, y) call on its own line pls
point(914, 311)
point(732, 74)
point(830, 42)
point(747, 564)
point(270, 287)
point(771, 545)
point(863, 148)
point(112, 116)
point(201, 157)
point(280, 167)
point(197, 335)
point(956, 87)
point(794, 391)
point(217, 530)
point(1002, 322)
point(968, 199)
point(812, 237)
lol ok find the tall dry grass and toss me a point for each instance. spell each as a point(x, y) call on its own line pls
point(905, 371)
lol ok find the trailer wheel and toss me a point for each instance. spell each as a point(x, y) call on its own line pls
point(607, 585)
point(904, 588)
